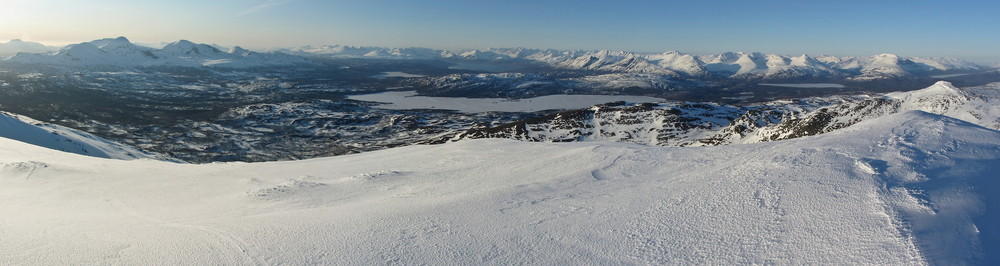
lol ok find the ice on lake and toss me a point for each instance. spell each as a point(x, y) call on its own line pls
point(396, 74)
point(407, 100)
point(805, 85)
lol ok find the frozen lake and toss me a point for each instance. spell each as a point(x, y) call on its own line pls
point(405, 100)
point(805, 85)
point(396, 74)
point(948, 76)
point(482, 67)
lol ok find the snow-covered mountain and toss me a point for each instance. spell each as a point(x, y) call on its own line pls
point(906, 188)
point(120, 52)
point(733, 64)
point(749, 65)
point(27, 130)
point(18, 46)
point(341, 51)
point(701, 124)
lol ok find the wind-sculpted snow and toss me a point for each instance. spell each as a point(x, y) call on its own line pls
point(907, 188)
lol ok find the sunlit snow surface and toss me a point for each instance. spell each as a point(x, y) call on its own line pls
point(908, 188)
point(404, 100)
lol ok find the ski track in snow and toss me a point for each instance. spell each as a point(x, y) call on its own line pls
point(224, 238)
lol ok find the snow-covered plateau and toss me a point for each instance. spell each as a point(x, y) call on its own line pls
point(908, 188)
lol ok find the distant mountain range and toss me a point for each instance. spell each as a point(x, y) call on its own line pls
point(677, 64)
point(737, 65)
point(18, 46)
point(120, 52)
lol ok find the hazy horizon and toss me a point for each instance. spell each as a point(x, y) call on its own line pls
point(854, 28)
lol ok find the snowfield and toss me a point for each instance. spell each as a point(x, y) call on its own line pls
point(908, 188)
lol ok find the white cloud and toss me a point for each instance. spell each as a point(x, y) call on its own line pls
point(263, 6)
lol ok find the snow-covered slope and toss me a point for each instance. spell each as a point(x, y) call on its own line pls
point(909, 188)
point(27, 130)
point(18, 46)
point(120, 52)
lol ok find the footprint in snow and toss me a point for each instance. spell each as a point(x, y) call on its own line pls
point(285, 189)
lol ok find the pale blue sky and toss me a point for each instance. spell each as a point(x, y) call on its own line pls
point(964, 29)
